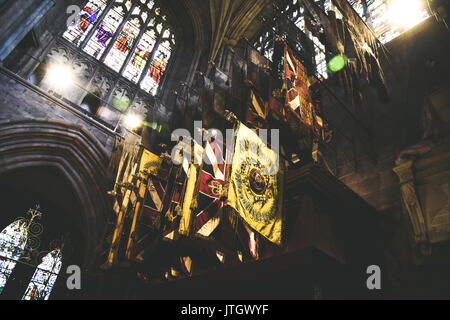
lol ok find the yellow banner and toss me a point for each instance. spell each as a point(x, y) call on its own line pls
point(256, 184)
point(189, 199)
point(150, 161)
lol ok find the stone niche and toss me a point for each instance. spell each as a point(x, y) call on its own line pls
point(424, 175)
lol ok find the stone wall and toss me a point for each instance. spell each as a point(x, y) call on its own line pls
point(417, 65)
point(44, 43)
point(397, 124)
point(20, 100)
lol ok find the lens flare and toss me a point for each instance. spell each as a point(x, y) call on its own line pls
point(133, 121)
point(337, 63)
point(60, 76)
point(406, 13)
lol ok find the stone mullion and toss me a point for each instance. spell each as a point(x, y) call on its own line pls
point(117, 33)
point(97, 24)
point(151, 57)
point(367, 13)
point(135, 44)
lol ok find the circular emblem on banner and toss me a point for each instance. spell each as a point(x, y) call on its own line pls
point(258, 182)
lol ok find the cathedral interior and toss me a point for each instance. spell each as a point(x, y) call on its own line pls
point(116, 159)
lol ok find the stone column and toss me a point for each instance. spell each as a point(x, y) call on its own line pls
point(17, 20)
point(404, 171)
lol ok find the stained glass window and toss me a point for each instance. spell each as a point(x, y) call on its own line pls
point(358, 5)
point(320, 58)
point(141, 56)
point(121, 48)
point(296, 14)
point(265, 45)
point(98, 43)
point(130, 37)
point(390, 18)
point(77, 32)
point(12, 243)
point(154, 74)
point(44, 278)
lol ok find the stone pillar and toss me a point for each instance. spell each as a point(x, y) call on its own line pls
point(17, 19)
point(410, 201)
point(423, 170)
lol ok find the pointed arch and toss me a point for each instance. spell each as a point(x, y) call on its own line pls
point(44, 277)
point(12, 243)
point(76, 155)
point(92, 101)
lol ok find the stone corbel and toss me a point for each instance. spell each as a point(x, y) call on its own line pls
point(411, 203)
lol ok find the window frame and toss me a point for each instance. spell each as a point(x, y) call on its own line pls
point(162, 18)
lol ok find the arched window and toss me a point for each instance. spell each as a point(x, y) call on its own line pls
point(130, 37)
point(44, 278)
point(91, 102)
point(389, 18)
point(295, 13)
point(12, 244)
point(19, 243)
point(264, 44)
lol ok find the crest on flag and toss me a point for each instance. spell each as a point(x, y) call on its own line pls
point(256, 184)
point(298, 96)
point(211, 190)
point(150, 162)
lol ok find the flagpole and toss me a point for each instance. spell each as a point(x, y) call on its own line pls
point(184, 227)
point(168, 196)
point(194, 205)
point(231, 117)
point(164, 201)
point(117, 235)
point(143, 178)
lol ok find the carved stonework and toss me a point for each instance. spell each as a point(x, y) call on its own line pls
point(424, 174)
point(142, 105)
point(410, 201)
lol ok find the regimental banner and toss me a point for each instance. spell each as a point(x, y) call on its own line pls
point(150, 162)
point(258, 104)
point(276, 108)
point(256, 184)
point(188, 201)
point(211, 190)
point(305, 104)
point(257, 74)
point(302, 73)
point(256, 111)
point(298, 96)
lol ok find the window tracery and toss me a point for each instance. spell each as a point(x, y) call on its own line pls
point(377, 14)
point(132, 38)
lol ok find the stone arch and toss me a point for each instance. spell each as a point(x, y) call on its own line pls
point(92, 100)
point(75, 154)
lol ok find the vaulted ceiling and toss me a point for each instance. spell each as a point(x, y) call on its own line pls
point(215, 22)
